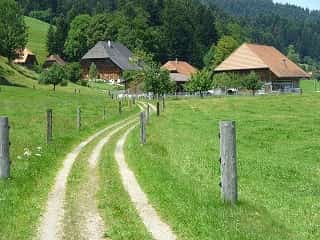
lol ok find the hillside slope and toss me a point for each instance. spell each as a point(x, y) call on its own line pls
point(37, 38)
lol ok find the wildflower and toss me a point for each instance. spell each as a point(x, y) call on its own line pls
point(19, 157)
point(27, 153)
point(38, 154)
point(39, 148)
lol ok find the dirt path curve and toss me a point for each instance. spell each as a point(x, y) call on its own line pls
point(159, 229)
point(51, 224)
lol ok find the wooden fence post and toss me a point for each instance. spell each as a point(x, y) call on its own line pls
point(143, 128)
point(49, 126)
point(120, 107)
point(228, 154)
point(4, 148)
point(104, 113)
point(158, 109)
point(163, 103)
point(78, 118)
point(148, 113)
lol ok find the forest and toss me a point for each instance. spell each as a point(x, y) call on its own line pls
point(181, 29)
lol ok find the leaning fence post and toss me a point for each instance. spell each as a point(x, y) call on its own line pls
point(78, 118)
point(143, 128)
point(4, 148)
point(49, 126)
point(158, 109)
point(228, 154)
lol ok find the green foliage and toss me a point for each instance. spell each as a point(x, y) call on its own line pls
point(13, 30)
point(226, 80)
point(157, 80)
point(93, 72)
point(54, 76)
point(252, 82)
point(96, 29)
point(77, 42)
point(51, 41)
point(73, 72)
point(201, 81)
point(61, 33)
point(225, 46)
point(43, 15)
point(292, 54)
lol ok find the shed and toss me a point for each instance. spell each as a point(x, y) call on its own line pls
point(53, 59)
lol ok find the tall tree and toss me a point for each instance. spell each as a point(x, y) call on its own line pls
point(13, 30)
point(61, 33)
point(51, 41)
point(77, 41)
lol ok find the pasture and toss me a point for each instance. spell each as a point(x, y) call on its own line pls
point(278, 167)
point(22, 197)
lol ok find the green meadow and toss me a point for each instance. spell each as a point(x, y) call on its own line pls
point(278, 167)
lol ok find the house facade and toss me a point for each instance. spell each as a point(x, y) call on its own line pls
point(110, 58)
point(26, 58)
point(276, 71)
point(180, 73)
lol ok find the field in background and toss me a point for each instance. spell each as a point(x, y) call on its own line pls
point(278, 167)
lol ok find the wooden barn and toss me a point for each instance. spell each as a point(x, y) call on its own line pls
point(180, 72)
point(26, 58)
point(277, 71)
point(110, 58)
point(53, 59)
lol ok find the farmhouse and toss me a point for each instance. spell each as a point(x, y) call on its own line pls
point(180, 72)
point(110, 58)
point(25, 57)
point(277, 71)
point(53, 59)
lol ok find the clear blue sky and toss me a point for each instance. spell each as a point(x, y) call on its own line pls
point(312, 4)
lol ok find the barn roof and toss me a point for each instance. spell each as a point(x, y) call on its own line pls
point(181, 67)
point(115, 51)
point(178, 77)
point(253, 57)
point(23, 56)
point(56, 58)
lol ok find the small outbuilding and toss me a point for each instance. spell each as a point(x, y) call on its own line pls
point(180, 72)
point(53, 59)
point(111, 60)
point(26, 58)
point(277, 71)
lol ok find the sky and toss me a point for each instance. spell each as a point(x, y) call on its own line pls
point(311, 4)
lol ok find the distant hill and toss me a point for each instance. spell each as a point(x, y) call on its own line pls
point(276, 24)
point(37, 37)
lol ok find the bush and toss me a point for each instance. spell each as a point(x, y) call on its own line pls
point(84, 83)
point(73, 72)
point(64, 83)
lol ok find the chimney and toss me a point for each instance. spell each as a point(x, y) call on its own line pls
point(284, 62)
point(109, 44)
point(177, 61)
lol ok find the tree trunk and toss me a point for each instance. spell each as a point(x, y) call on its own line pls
point(54, 87)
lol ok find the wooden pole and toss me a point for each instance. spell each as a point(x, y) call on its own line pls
point(143, 128)
point(148, 113)
point(49, 126)
point(228, 153)
point(158, 109)
point(163, 103)
point(4, 148)
point(78, 118)
point(120, 107)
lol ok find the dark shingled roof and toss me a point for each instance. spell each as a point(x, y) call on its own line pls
point(117, 53)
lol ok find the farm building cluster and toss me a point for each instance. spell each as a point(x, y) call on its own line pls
point(111, 59)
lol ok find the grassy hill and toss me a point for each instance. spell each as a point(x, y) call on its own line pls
point(278, 167)
point(37, 37)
